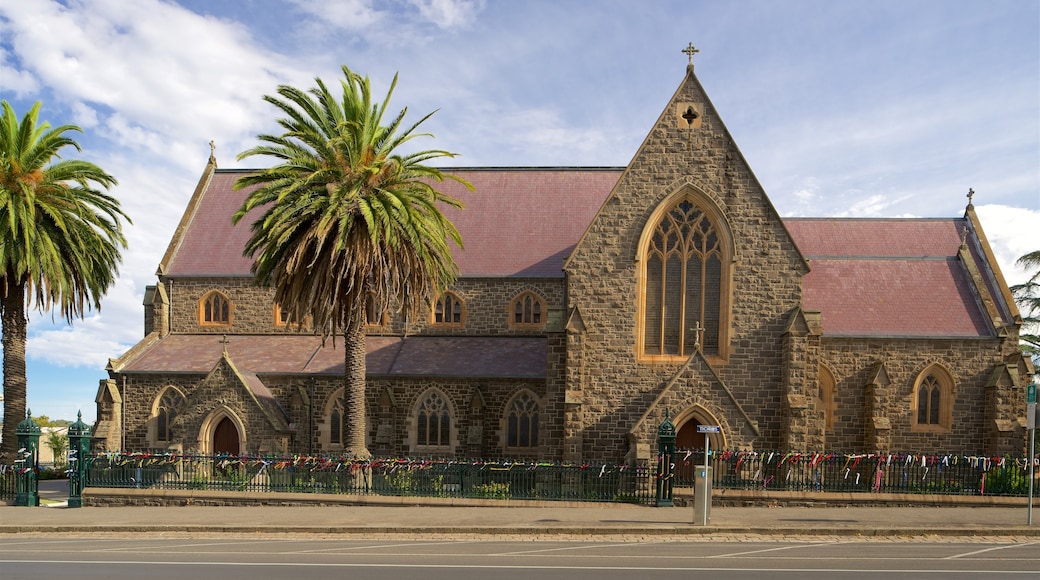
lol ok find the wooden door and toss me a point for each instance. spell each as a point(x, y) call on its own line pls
point(225, 438)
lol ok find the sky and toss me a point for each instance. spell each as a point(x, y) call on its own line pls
point(887, 108)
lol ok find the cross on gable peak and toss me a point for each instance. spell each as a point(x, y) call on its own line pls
point(690, 51)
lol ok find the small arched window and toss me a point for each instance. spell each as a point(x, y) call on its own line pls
point(336, 424)
point(375, 315)
point(522, 422)
point(527, 311)
point(449, 310)
point(932, 401)
point(215, 310)
point(433, 422)
point(166, 410)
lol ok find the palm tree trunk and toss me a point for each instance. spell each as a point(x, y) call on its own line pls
point(14, 337)
point(354, 393)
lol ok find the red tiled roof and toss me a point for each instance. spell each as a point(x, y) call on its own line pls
point(444, 356)
point(919, 298)
point(857, 237)
point(518, 222)
point(888, 277)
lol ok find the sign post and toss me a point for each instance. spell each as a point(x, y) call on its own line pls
point(704, 478)
point(1031, 424)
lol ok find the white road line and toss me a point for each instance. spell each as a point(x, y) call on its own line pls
point(397, 545)
point(989, 550)
point(749, 552)
point(566, 548)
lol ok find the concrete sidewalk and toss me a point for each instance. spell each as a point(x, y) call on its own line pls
point(548, 519)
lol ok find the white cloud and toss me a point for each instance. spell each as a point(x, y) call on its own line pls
point(1012, 233)
point(449, 13)
point(16, 79)
point(346, 14)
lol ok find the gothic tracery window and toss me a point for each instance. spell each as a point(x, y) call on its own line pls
point(527, 311)
point(684, 284)
point(522, 422)
point(214, 310)
point(932, 402)
point(166, 411)
point(448, 310)
point(433, 421)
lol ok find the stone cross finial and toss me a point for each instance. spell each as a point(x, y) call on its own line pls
point(690, 51)
point(697, 329)
point(225, 341)
point(971, 194)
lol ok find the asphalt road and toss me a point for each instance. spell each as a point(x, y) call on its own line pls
point(47, 556)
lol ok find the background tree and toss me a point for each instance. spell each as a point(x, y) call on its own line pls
point(58, 443)
point(347, 217)
point(60, 241)
point(1027, 295)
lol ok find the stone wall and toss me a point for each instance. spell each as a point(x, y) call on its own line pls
point(603, 278)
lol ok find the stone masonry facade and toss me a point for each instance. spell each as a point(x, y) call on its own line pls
point(766, 384)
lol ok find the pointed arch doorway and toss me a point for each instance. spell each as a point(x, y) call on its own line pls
point(688, 438)
point(225, 438)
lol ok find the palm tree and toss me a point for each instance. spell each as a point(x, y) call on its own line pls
point(347, 218)
point(60, 240)
point(1027, 294)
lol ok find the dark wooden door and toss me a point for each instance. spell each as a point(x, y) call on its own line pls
point(688, 437)
point(225, 438)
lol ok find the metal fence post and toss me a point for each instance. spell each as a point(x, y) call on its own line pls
point(80, 436)
point(28, 486)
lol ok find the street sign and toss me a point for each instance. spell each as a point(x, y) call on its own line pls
point(1031, 416)
point(1031, 393)
point(709, 429)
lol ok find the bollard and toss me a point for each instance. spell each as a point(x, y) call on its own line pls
point(27, 492)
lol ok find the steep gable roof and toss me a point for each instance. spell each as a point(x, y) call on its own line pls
point(520, 222)
point(889, 277)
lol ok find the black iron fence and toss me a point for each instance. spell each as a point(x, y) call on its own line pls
point(395, 477)
point(8, 481)
point(951, 474)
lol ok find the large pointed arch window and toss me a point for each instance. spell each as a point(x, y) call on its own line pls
point(684, 289)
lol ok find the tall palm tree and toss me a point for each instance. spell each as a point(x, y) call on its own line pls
point(60, 240)
point(1027, 294)
point(348, 217)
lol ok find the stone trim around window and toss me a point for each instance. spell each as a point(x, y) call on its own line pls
point(432, 426)
point(527, 311)
point(708, 245)
point(521, 423)
point(216, 309)
point(931, 401)
point(448, 311)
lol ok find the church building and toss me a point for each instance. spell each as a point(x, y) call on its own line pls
point(592, 303)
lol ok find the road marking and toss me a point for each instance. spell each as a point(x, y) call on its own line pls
point(749, 552)
point(396, 545)
point(566, 548)
point(988, 550)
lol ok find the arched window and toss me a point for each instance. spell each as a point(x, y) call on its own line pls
point(527, 311)
point(336, 424)
point(166, 409)
point(932, 402)
point(374, 313)
point(448, 310)
point(433, 422)
point(685, 269)
point(215, 310)
point(522, 421)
